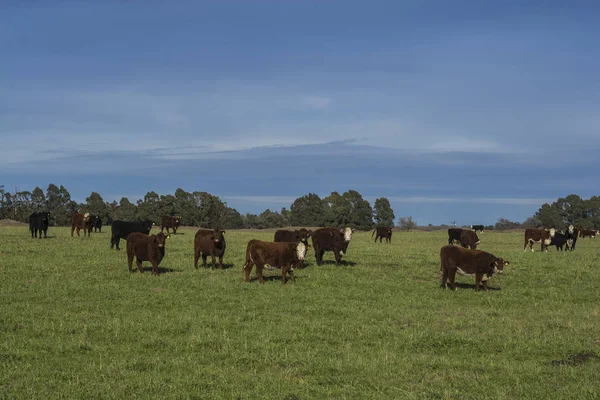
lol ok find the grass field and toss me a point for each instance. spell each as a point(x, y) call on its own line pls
point(75, 323)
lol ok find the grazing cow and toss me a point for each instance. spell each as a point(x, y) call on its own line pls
point(538, 236)
point(299, 235)
point(81, 221)
point(168, 221)
point(454, 235)
point(145, 248)
point(477, 228)
point(209, 241)
point(469, 239)
point(38, 222)
point(331, 239)
point(383, 233)
point(122, 229)
point(588, 233)
point(468, 262)
point(571, 233)
point(284, 255)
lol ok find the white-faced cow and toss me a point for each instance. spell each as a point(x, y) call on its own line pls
point(284, 255)
point(538, 236)
point(331, 239)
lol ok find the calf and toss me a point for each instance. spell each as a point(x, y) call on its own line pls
point(122, 229)
point(383, 233)
point(469, 239)
point(81, 222)
point(209, 241)
point(467, 262)
point(538, 236)
point(560, 240)
point(284, 255)
point(331, 239)
point(454, 235)
point(168, 221)
point(299, 235)
point(571, 233)
point(145, 248)
point(477, 228)
point(39, 222)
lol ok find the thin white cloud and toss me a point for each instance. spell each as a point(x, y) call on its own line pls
point(471, 200)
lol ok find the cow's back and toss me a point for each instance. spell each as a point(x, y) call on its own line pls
point(323, 238)
point(283, 235)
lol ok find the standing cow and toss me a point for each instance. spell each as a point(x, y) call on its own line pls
point(168, 221)
point(38, 223)
point(477, 228)
point(331, 239)
point(468, 262)
point(454, 235)
point(383, 233)
point(145, 248)
point(122, 229)
point(469, 239)
point(571, 233)
point(538, 236)
point(284, 255)
point(81, 222)
point(299, 235)
point(209, 242)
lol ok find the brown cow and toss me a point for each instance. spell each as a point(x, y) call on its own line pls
point(331, 239)
point(469, 239)
point(538, 236)
point(382, 233)
point(81, 221)
point(587, 233)
point(168, 221)
point(468, 262)
point(145, 248)
point(284, 255)
point(209, 241)
point(299, 235)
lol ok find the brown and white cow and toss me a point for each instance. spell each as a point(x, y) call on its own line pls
point(538, 236)
point(284, 255)
point(588, 233)
point(168, 221)
point(467, 262)
point(382, 232)
point(81, 222)
point(469, 239)
point(145, 248)
point(331, 239)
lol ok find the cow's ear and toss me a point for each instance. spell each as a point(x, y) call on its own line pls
point(506, 262)
point(309, 233)
point(353, 230)
point(168, 237)
point(222, 232)
point(342, 230)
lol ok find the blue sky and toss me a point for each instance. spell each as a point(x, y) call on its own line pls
point(462, 110)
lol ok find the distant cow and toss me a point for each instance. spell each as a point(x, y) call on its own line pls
point(209, 242)
point(122, 229)
point(331, 239)
point(168, 221)
point(477, 228)
point(284, 255)
point(96, 223)
point(469, 239)
point(538, 236)
point(81, 222)
point(571, 233)
point(454, 235)
point(467, 262)
point(383, 233)
point(38, 222)
point(588, 233)
point(145, 248)
point(299, 235)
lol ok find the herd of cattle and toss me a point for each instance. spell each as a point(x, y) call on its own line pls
point(289, 248)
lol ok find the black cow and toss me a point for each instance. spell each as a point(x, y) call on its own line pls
point(454, 235)
point(331, 239)
point(383, 233)
point(96, 223)
point(571, 233)
point(38, 222)
point(560, 240)
point(122, 229)
point(477, 228)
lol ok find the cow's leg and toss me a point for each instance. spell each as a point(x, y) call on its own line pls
point(485, 287)
point(444, 272)
point(247, 270)
point(259, 271)
point(338, 258)
point(478, 276)
point(221, 261)
point(291, 272)
point(154, 267)
point(451, 276)
point(118, 240)
point(39, 232)
point(72, 229)
point(196, 257)
point(284, 271)
point(139, 265)
point(204, 256)
point(130, 261)
point(45, 233)
point(214, 261)
point(318, 255)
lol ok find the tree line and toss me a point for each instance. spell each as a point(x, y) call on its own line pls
point(200, 209)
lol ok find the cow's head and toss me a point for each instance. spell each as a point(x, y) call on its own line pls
point(217, 236)
point(160, 239)
point(347, 232)
point(86, 216)
point(498, 265)
point(552, 232)
point(301, 250)
point(571, 229)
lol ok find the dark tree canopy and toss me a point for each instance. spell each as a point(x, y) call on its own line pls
point(383, 213)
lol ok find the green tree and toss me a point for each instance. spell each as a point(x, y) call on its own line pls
point(95, 205)
point(549, 216)
point(361, 213)
point(383, 213)
point(232, 220)
point(308, 210)
point(125, 211)
point(338, 210)
point(38, 200)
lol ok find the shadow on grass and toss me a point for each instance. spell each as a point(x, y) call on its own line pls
point(332, 262)
point(161, 270)
point(460, 285)
point(210, 266)
point(272, 278)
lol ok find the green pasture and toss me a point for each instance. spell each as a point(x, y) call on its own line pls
point(74, 323)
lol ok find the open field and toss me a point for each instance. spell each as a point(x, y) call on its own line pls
point(75, 323)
